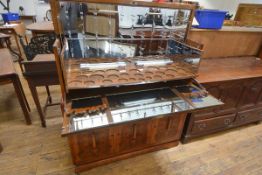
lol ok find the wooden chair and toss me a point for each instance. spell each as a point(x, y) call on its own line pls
point(42, 44)
point(40, 69)
point(17, 30)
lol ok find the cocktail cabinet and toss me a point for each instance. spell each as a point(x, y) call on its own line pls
point(126, 70)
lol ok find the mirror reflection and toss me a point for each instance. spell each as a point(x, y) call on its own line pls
point(120, 31)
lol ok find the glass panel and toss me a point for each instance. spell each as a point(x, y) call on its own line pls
point(143, 104)
point(87, 113)
point(199, 97)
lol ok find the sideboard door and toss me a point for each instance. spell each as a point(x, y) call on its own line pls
point(252, 94)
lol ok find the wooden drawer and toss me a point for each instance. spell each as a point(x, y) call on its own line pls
point(206, 125)
point(249, 116)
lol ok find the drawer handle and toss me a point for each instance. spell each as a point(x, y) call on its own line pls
point(242, 117)
point(227, 121)
point(202, 126)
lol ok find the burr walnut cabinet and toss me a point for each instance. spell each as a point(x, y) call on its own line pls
point(238, 83)
point(128, 86)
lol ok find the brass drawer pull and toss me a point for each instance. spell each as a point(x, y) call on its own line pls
point(202, 126)
point(242, 117)
point(227, 121)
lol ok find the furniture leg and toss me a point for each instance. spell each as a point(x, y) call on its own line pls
point(37, 103)
point(21, 98)
point(23, 94)
point(49, 95)
point(1, 148)
point(20, 53)
point(18, 46)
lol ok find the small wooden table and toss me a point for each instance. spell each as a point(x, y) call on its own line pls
point(41, 28)
point(9, 75)
point(41, 71)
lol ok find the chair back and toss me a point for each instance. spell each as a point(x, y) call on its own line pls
point(40, 44)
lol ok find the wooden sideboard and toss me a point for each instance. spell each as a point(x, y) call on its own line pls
point(238, 83)
point(230, 41)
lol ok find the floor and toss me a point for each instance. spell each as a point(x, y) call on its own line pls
point(32, 150)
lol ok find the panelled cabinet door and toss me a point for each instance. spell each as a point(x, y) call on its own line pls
point(91, 146)
point(131, 136)
point(230, 95)
point(169, 128)
point(252, 94)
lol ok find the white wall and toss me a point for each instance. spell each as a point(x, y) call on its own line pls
point(227, 5)
point(31, 7)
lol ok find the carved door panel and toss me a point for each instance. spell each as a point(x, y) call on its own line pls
point(252, 94)
point(169, 128)
point(231, 94)
point(132, 136)
point(91, 146)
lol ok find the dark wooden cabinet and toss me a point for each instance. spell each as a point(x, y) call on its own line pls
point(243, 100)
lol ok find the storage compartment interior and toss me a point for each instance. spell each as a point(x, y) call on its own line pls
point(142, 104)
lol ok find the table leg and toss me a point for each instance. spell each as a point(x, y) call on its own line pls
point(23, 94)
point(37, 103)
point(1, 148)
point(49, 95)
point(21, 98)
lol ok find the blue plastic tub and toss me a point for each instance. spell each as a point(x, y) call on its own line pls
point(10, 17)
point(210, 19)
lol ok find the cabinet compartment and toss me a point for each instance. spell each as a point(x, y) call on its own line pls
point(242, 98)
point(211, 124)
point(114, 142)
point(249, 116)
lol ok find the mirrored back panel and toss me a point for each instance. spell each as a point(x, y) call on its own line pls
point(114, 20)
point(111, 43)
